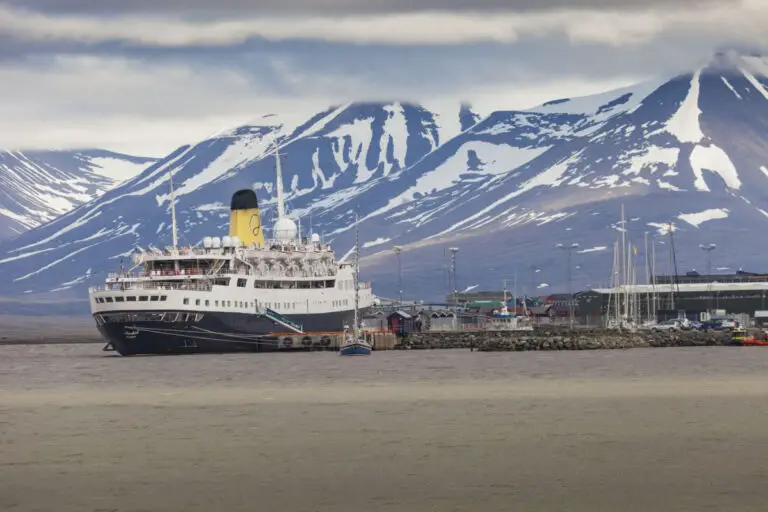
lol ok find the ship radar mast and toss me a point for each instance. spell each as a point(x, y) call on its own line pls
point(285, 229)
point(173, 211)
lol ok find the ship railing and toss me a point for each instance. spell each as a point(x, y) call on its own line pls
point(154, 285)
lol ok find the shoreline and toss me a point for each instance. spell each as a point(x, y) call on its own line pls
point(541, 339)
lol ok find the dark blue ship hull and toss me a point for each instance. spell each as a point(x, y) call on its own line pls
point(176, 332)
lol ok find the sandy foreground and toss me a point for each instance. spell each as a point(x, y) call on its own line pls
point(653, 430)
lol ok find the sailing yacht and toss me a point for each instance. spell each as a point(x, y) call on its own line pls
point(354, 344)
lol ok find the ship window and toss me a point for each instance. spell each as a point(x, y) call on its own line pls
point(207, 302)
point(217, 303)
point(186, 301)
point(130, 298)
point(109, 299)
point(241, 283)
point(154, 298)
point(229, 303)
point(330, 283)
point(143, 298)
point(163, 297)
point(197, 302)
point(117, 299)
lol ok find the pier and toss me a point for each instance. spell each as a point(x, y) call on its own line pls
point(554, 338)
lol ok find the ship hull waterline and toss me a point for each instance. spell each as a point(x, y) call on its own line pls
point(218, 332)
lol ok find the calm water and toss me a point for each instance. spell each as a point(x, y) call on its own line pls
point(655, 429)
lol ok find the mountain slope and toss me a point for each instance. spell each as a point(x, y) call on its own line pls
point(38, 186)
point(343, 149)
point(504, 188)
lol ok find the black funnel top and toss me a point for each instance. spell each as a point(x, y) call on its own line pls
point(244, 200)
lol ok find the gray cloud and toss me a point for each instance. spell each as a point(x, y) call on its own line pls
point(225, 7)
point(151, 74)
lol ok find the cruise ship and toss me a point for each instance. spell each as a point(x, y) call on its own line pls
point(236, 293)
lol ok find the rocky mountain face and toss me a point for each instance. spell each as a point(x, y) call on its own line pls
point(38, 186)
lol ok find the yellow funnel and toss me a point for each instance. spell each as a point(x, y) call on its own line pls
point(245, 218)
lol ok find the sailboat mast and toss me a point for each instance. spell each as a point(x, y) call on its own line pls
point(624, 263)
point(357, 279)
point(653, 279)
point(647, 278)
point(173, 211)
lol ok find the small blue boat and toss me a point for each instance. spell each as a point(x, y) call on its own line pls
point(354, 344)
point(355, 347)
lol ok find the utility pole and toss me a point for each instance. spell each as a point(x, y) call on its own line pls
point(454, 250)
point(568, 249)
point(398, 250)
point(708, 249)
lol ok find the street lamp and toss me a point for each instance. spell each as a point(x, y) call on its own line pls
point(568, 249)
point(708, 248)
point(454, 250)
point(398, 250)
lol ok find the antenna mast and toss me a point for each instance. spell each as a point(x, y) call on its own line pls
point(173, 211)
point(279, 183)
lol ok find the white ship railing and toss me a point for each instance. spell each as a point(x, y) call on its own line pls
point(279, 246)
point(150, 285)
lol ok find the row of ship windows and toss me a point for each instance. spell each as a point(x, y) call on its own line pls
point(132, 298)
point(328, 283)
point(270, 305)
point(224, 303)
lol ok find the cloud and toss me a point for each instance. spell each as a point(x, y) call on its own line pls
point(148, 108)
point(344, 7)
point(635, 23)
point(146, 76)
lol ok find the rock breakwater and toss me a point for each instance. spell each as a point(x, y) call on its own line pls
point(561, 339)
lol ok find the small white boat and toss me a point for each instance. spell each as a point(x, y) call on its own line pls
point(354, 343)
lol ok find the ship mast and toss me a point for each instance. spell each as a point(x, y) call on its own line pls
point(279, 183)
point(173, 211)
point(357, 279)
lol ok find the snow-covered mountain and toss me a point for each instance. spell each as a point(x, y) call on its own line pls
point(504, 188)
point(38, 186)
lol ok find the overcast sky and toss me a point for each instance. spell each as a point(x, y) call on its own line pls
point(144, 76)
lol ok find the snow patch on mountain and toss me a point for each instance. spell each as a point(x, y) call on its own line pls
point(116, 169)
point(728, 84)
point(593, 249)
point(376, 242)
point(712, 158)
point(755, 83)
point(698, 218)
point(685, 123)
point(649, 158)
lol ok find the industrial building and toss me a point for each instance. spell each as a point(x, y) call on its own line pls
point(739, 293)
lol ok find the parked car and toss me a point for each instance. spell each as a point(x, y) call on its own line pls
point(714, 324)
point(674, 324)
